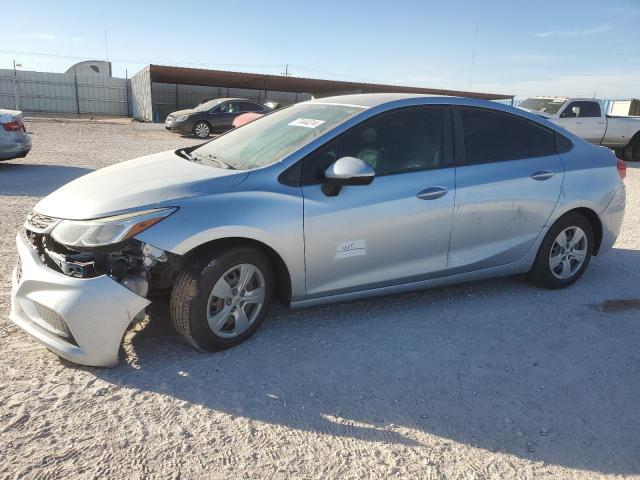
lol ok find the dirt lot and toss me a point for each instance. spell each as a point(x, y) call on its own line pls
point(495, 379)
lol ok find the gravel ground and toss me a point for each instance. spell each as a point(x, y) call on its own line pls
point(494, 379)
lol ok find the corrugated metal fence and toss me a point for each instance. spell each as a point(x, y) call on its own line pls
point(60, 93)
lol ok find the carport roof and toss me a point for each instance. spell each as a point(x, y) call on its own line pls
point(259, 81)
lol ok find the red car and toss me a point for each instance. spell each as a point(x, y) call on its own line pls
point(246, 118)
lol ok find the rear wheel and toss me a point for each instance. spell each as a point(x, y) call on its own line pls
point(221, 302)
point(632, 151)
point(564, 254)
point(202, 129)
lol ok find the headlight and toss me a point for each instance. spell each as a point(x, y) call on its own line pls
point(108, 230)
point(182, 118)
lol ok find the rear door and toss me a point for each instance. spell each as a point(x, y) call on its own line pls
point(395, 230)
point(508, 181)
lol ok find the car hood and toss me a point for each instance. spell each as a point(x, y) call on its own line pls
point(188, 111)
point(537, 112)
point(143, 182)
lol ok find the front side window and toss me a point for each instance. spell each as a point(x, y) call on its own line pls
point(230, 107)
point(406, 140)
point(397, 142)
point(587, 109)
point(272, 137)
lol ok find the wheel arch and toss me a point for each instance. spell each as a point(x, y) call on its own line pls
point(594, 221)
point(282, 288)
point(628, 149)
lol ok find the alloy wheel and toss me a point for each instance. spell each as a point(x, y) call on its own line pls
point(568, 252)
point(202, 130)
point(236, 300)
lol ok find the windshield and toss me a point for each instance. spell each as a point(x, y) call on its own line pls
point(545, 105)
point(206, 106)
point(269, 139)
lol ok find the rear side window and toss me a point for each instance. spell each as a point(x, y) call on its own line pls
point(540, 141)
point(251, 107)
point(563, 144)
point(492, 136)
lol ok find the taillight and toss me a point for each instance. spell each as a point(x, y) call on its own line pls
point(622, 168)
point(14, 126)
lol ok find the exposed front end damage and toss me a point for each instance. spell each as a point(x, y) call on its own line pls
point(80, 303)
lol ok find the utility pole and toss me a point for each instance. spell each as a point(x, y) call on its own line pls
point(106, 46)
point(286, 71)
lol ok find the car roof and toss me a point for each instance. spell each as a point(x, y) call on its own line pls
point(372, 100)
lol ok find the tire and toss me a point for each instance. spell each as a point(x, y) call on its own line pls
point(202, 129)
point(565, 272)
point(632, 151)
point(196, 310)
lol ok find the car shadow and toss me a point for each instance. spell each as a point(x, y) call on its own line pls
point(32, 180)
point(500, 365)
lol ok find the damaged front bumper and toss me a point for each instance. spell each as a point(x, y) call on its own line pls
point(80, 319)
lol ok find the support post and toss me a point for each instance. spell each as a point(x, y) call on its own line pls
point(75, 77)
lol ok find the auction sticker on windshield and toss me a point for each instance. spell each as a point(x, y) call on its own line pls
point(306, 122)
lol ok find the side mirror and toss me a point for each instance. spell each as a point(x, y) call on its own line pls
point(576, 110)
point(346, 171)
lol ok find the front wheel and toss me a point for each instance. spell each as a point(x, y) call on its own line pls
point(564, 254)
point(202, 130)
point(223, 300)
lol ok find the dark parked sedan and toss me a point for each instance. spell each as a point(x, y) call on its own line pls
point(212, 116)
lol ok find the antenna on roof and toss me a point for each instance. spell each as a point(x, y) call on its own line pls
point(473, 53)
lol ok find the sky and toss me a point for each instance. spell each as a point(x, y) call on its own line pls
point(573, 48)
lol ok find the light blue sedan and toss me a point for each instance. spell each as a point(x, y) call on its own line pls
point(325, 201)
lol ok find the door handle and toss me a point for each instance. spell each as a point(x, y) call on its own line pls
point(432, 193)
point(542, 175)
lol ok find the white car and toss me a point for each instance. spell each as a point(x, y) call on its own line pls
point(586, 117)
point(14, 141)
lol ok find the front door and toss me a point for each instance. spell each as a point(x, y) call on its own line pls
point(589, 124)
point(507, 186)
point(395, 230)
point(223, 116)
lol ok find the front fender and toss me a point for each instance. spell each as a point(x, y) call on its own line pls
point(274, 218)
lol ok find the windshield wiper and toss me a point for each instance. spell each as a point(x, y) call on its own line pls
point(184, 153)
point(210, 156)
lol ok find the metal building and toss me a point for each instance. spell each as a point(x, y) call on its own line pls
point(158, 90)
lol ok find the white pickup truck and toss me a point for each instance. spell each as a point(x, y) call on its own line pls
point(586, 118)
